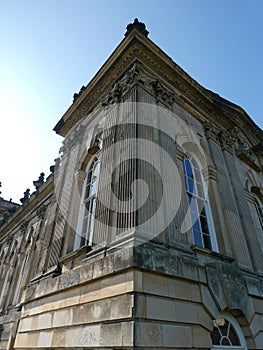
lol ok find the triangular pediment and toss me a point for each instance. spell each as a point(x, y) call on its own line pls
point(136, 47)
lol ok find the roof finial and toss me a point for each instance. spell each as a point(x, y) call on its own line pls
point(136, 25)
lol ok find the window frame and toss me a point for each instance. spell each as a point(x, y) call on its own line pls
point(85, 225)
point(233, 322)
point(198, 204)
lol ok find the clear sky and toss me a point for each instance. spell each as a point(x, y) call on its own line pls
point(50, 48)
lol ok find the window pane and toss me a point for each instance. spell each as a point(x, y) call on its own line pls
point(197, 238)
point(196, 201)
point(93, 188)
point(196, 226)
point(204, 224)
point(96, 170)
point(207, 242)
point(192, 201)
point(190, 185)
point(188, 168)
point(90, 203)
point(233, 336)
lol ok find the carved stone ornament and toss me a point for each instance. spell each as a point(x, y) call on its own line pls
point(41, 211)
point(227, 141)
point(72, 138)
point(77, 95)
point(38, 183)
point(26, 197)
point(211, 132)
point(136, 25)
point(23, 226)
point(243, 149)
point(136, 75)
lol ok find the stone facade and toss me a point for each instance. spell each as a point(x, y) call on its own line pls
point(113, 258)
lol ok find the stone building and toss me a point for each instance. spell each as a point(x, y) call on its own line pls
point(148, 233)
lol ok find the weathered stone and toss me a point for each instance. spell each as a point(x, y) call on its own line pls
point(59, 338)
point(69, 278)
point(121, 307)
point(62, 318)
point(44, 340)
point(201, 338)
point(111, 335)
point(177, 336)
point(44, 321)
point(148, 335)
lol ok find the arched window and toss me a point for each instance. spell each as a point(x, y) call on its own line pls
point(88, 204)
point(227, 334)
point(201, 220)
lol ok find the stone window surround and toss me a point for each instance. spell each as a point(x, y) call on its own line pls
point(208, 210)
point(86, 199)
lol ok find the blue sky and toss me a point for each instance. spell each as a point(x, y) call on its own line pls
point(50, 48)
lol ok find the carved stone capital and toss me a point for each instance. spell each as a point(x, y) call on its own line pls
point(244, 151)
point(136, 75)
point(227, 141)
point(211, 132)
point(162, 94)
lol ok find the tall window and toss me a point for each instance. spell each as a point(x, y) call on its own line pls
point(88, 204)
point(202, 225)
